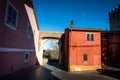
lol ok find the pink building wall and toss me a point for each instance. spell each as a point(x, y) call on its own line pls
point(14, 61)
point(14, 43)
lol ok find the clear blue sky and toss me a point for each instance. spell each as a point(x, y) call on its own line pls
point(55, 15)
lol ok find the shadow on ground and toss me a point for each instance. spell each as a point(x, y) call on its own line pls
point(55, 63)
point(36, 73)
point(110, 73)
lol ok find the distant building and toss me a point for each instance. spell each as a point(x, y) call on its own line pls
point(80, 49)
point(110, 41)
point(18, 35)
point(114, 18)
point(110, 48)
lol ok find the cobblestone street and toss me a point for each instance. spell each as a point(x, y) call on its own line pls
point(53, 72)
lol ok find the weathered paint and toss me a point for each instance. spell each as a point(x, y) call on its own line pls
point(75, 46)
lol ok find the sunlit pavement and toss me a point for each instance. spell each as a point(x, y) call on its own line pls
point(52, 72)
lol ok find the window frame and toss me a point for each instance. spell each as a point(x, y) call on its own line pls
point(91, 37)
point(85, 58)
point(6, 16)
point(28, 56)
point(31, 32)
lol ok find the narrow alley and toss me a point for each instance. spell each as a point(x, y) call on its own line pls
point(53, 71)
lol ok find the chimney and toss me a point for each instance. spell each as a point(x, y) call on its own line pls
point(72, 24)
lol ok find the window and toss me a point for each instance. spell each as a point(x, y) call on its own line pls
point(11, 16)
point(85, 58)
point(26, 57)
point(90, 37)
point(29, 31)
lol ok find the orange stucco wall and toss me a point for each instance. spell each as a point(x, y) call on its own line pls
point(78, 46)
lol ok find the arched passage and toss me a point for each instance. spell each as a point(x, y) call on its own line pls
point(44, 36)
point(50, 51)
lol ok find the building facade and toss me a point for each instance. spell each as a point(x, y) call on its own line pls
point(114, 19)
point(110, 44)
point(110, 48)
point(18, 35)
point(82, 49)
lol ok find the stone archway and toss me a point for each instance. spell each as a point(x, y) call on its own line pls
point(43, 36)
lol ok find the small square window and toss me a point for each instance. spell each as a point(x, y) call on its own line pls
point(11, 16)
point(26, 57)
